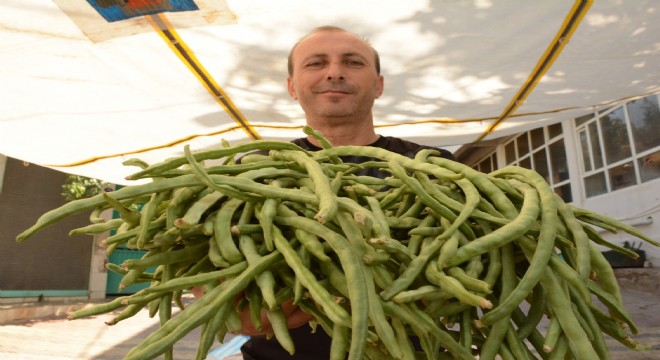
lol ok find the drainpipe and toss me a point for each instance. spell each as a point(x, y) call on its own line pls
point(635, 222)
point(3, 165)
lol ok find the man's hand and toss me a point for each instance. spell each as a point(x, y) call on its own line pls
point(295, 317)
point(197, 291)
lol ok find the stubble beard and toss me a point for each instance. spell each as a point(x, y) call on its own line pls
point(331, 111)
point(345, 110)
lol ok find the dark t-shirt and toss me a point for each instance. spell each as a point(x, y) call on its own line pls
point(316, 345)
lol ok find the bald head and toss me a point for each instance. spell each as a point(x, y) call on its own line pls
point(330, 28)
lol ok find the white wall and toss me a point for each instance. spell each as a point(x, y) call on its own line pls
point(98, 274)
point(637, 205)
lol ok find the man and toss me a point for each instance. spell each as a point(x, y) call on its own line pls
point(335, 76)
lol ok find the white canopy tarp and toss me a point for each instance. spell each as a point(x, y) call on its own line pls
point(82, 95)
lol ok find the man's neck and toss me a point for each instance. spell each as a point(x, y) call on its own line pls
point(346, 135)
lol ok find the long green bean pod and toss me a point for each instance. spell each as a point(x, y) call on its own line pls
point(355, 278)
point(327, 199)
point(422, 253)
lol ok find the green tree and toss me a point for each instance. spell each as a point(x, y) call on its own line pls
point(79, 187)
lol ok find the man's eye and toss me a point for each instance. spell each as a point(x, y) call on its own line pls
point(314, 64)
point(354, 63)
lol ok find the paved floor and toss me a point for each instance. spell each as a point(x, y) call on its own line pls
point(645, 311)
point(641, 293)
point(90, 339)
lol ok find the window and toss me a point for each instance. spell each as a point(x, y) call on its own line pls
point(620, 146)
point(644, 116)
point(649, 166)
point(543, 151)
point(487, 165)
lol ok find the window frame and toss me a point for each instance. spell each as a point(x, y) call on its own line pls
point(529, 157)
point(583, 126)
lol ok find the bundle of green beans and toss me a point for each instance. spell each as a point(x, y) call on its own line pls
point(469, 264)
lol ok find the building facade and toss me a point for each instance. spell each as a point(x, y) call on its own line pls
point(606, 161)
point(51, 264)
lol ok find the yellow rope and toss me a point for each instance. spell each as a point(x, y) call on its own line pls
point(571, 23)
point(167, 32)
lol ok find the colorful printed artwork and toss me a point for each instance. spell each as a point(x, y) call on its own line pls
point(117, 10)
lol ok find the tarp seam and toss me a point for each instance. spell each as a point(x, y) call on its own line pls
point(293, 127)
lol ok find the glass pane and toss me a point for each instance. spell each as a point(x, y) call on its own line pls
point(595, 146)
point(485, 166)
point(583, 119)
point(622, 176)
point(510, 152)
point(615, 136)
point(541, 164)
point(649, 166)
point(526, 163)
point(595, 184)
point(644, 120)
point(584, 145)
point(537, 138)
point(564, 192)
point(554, 130)
point(523, 145)
point(558, 161)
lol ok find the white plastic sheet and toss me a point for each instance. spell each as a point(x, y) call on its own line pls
point(451, 68)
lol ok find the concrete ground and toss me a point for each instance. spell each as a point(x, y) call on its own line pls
point(641, 294)
point(644, 308)
point(55, 338)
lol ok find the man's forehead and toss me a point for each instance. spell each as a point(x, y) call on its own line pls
point(323, 54)
point(325, 42)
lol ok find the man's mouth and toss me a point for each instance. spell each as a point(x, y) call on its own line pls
point(335, 90)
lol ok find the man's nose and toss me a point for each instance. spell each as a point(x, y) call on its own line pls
point(334, 72)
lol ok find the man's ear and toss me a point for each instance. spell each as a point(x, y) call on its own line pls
point(291, 88)
point(380, 86)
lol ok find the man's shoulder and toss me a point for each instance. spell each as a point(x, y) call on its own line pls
point(390, 143)
point(303, 143)
point(409, 148)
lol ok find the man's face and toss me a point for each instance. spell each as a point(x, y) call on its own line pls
point(334, 76)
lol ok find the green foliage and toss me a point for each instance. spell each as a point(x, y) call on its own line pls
point(79, 187)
